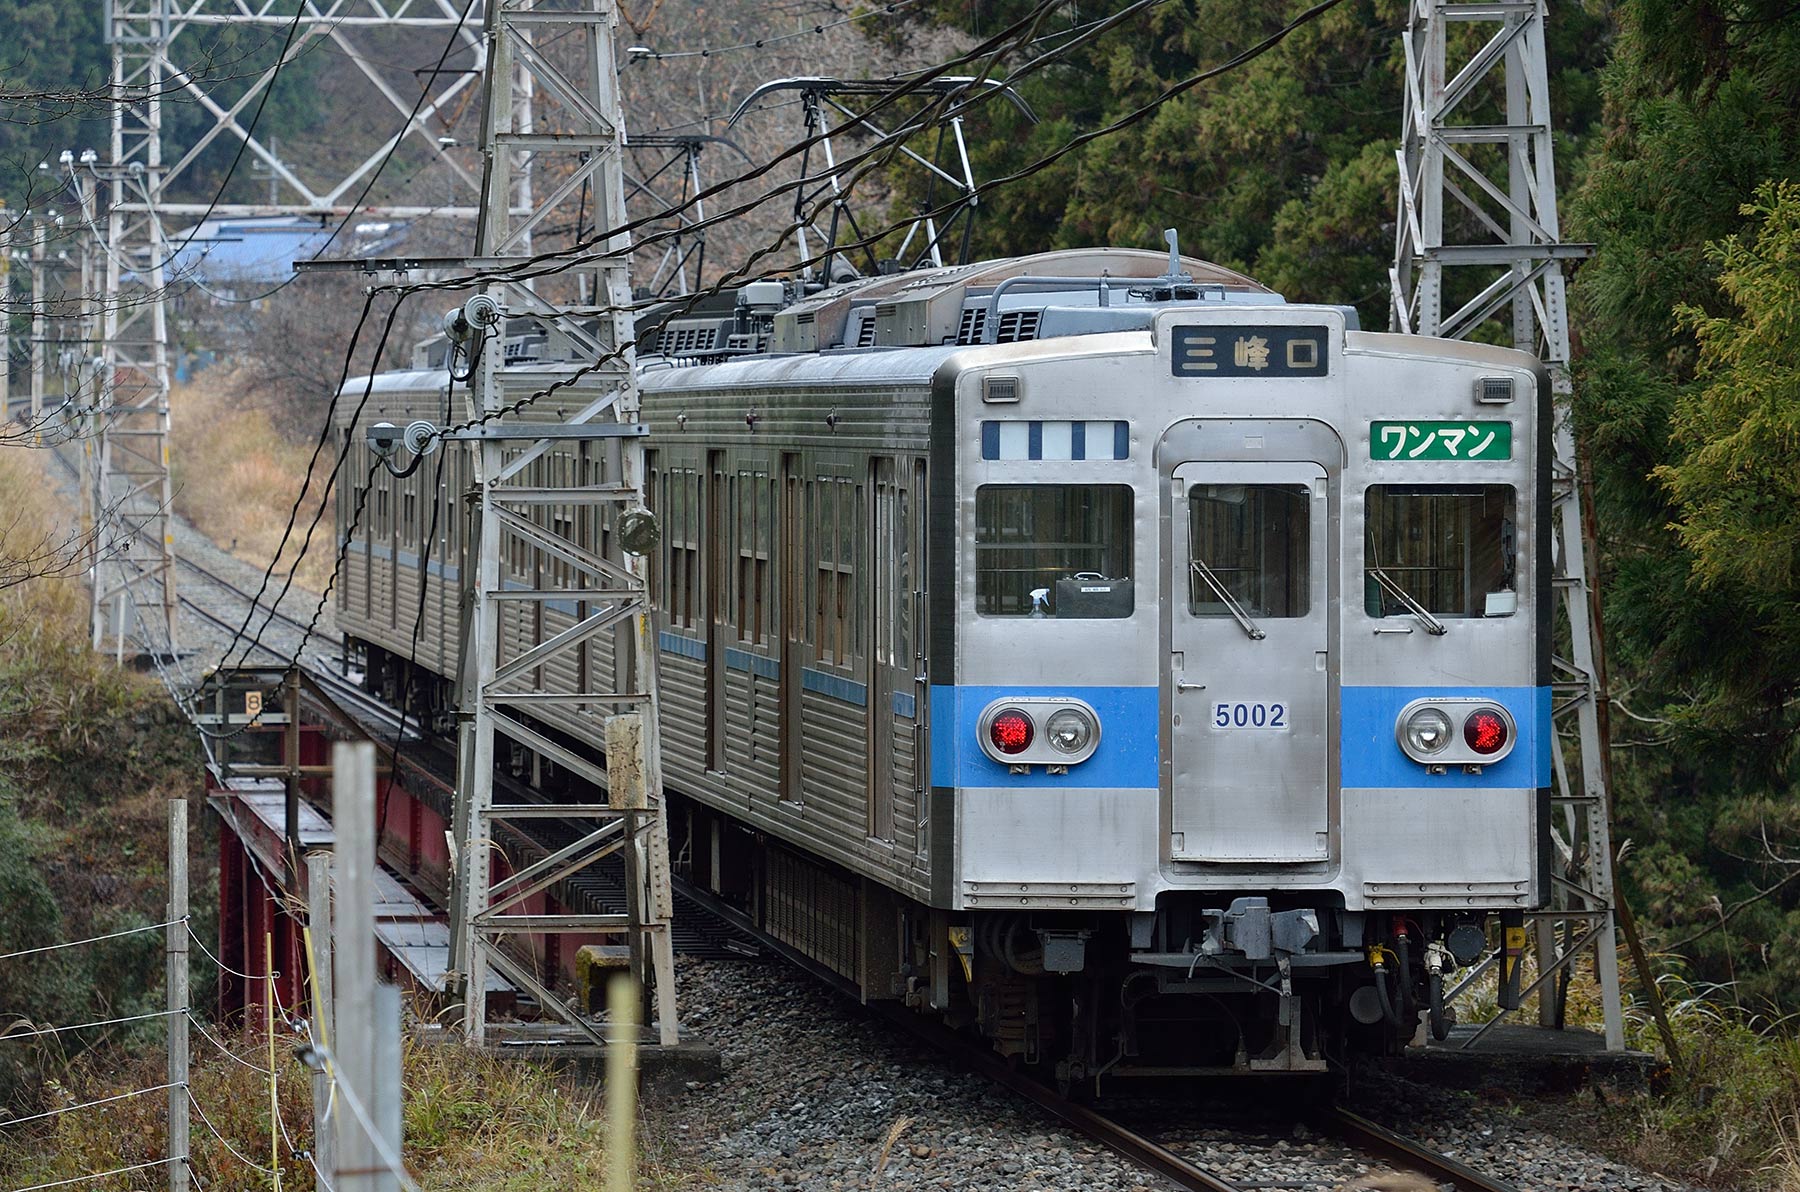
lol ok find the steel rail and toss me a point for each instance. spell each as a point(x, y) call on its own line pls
point(1117, 1138)
point(1354, 1130)
point(246, 597)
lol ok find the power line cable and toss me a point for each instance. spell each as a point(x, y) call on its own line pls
point(223, 1141)
point(993, 47)
point(223, 967)
point(229, 1054)
point(760, 43)
point(375, 176)
point(1042, 8)
point(1091, 32)
point(262, 101)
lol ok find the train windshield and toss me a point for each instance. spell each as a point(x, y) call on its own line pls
point(1451, 550)
point(1247, 547)
point(1053, 550)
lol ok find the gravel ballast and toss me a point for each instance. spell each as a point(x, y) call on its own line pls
point(819, 1094)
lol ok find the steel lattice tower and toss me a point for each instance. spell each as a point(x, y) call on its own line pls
point(582, 399)
point(1477, 224)
point(134, 588)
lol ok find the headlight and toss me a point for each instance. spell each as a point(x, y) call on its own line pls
point(1427, 731)
point(1069, 730)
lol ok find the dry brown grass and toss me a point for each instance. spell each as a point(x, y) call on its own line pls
point(55, 691)
point(236, 477)
point(473, 1123)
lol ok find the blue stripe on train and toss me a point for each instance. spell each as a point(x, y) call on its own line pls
point(1372, 757)
point(1126, 757)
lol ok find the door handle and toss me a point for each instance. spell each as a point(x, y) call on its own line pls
point(1380, 629)
point(1181, 686)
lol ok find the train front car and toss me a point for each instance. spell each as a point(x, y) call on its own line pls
point(1240, 705)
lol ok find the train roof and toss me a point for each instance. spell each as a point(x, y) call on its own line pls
point(788, 331)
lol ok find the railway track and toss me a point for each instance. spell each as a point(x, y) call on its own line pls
point(1382, 1146)
point(272, 616)
point(1348, 1128)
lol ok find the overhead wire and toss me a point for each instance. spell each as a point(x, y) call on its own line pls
point(223, 1141)
point(854, 164)
point(760, 43)
point(262, 101)
point(375, 175)
point(194, 1021)
point(7, 1034)
point(194, 936)
point(401, 292)
point(281, 61)
point(430, 537)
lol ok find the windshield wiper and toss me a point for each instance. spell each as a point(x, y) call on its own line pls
point(1392, 587)
point(1230, 602)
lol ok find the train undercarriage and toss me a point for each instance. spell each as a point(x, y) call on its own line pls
point(1087, 998)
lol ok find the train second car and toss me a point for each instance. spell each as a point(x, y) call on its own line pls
point(1089, 648)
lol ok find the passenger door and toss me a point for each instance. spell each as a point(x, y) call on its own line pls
point(1249, 670)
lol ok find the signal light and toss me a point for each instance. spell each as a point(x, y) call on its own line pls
point(1011, 731)
point(1485, 731)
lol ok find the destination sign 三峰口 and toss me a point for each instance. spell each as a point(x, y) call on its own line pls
point(1236, 350)
point(1440, 440)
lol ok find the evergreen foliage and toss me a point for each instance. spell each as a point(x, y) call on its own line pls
point(1688, 400)
point(1283, 168)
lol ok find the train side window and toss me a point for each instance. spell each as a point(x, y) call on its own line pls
point(1053, 550)
point(1248, 542)
point(836, 517)
point(682, 524)
point(1452, 549)
point(755, 539)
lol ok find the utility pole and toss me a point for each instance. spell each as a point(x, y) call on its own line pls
point(514, 418)
point(1512, 265)
point(6, 243)
point(319, 940)
point(366, 1050)
point(39, 241)
point(176, 979)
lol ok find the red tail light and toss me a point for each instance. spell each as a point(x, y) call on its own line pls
point(1485, 731)
point(1011, 731)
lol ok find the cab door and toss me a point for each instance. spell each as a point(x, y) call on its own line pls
point(1249, 667)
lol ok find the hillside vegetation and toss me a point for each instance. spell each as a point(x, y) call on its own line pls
point(89, 757)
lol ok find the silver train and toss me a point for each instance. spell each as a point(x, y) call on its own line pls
point(1089, 648)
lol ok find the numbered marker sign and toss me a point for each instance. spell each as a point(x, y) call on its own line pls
point(1250, 714)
